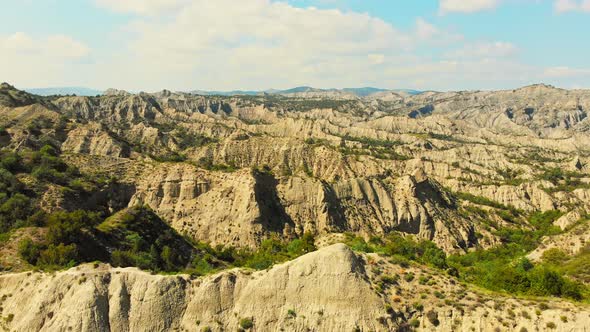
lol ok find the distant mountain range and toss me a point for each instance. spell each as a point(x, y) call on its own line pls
point(359, 92)
point(302, 90)
point(79, 91)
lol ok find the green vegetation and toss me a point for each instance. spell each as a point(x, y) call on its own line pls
point(131, 237)
point(186, 139)
point(137, 237)
point(401, 249)
point(440, 137)
point(61, 248)
point(577, 266)
point(375, 152)
point(381, 149)
point(274, 251)
point(372, 142)
point(303, 105)
point(316, 141)
point(207, 163)
point(17, 199)
point(169, 157)
point(246, 323)
point(535, 155)
point(479, 200)
point(433, 317)
point(511, 176)
point(563, 180)
point(503, 268)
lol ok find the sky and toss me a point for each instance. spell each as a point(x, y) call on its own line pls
point(183, 45)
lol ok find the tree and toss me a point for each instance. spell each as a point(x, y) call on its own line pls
point(58, 255)
point(29, 251)
point(545, 282)
point(554, 256)
point(435, 257)
point(13, 211)
point(154, 256)
point(168, 258)
point(66, 227)
point(48, 150)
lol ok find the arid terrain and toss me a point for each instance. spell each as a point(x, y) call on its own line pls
point(316, 210)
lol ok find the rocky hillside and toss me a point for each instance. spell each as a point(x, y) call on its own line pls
point(369, 165)
point(186, 182)
point(313, 292)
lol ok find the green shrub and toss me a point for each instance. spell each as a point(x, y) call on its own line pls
point(480, 200)
point(554, 256)
point(433, 317)
point(29, 251)
point(246, 323)
point(439, 295)
point(390, 280)
point(66, 227)
point(273, 251)
point(414, 323)
point(14, 211)
point(121, 258)
point(58, 256)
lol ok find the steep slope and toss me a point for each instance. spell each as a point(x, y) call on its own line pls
point(320, 291)
point(331, 165)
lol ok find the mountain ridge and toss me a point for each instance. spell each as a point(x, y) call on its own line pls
point(438, 194)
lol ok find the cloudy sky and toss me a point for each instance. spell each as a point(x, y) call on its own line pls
point(259, 44)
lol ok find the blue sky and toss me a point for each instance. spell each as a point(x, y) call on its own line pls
point(258, 44)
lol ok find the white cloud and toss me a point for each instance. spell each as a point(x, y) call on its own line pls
point(485, 50)
point(376, 59)
point(261, 43)
point(64, 46)
point(429, 33)
point(467, 6)
point(566, 72)
point(425, 30)
point(18, 42)
point(142, 7)
point(38, 62)
point(562, 6)
point(56, 46)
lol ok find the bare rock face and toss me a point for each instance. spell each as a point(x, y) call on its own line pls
point(568, 220)
point(370, 165)
point(319, 289)
point(328, 290)
point(92, 140)
point(244, 207)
